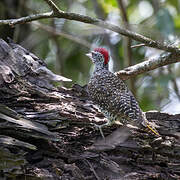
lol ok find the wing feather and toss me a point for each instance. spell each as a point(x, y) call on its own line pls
point(112, 95)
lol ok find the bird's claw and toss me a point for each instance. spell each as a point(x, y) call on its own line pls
point(99, 127)
point(152, 129)
point(149, 125)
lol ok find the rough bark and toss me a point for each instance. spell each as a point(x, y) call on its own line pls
point(47, 132)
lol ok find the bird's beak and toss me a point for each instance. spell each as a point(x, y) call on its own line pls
point(89, 55)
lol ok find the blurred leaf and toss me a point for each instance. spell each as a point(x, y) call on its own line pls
point(177, 21)
point(109, 5)
point(113, 3)
point(174, 3)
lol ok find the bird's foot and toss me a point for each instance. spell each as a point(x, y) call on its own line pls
point(151, 127)
point(99, 127)
point(108, 123)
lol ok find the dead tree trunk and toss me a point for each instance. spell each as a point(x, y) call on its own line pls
point(48, 132)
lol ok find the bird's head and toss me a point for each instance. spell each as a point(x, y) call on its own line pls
point(100, 57)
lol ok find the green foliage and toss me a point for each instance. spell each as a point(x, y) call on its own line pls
point(177, 22)
point(108, 5)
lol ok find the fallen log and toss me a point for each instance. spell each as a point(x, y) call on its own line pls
point(48, 132)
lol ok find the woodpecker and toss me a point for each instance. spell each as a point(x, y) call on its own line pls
point(112, 96)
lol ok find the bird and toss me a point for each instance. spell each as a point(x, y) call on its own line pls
point(112, 95)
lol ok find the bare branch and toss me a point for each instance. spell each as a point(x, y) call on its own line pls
point(26, 19)
point(138, 45)
point(153, 63)
point(138, 37)
point(53, 6)
point(86, 19)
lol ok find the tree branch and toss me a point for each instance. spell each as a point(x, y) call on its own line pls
point(26, 19)
point(56, 13)
point(153, 63)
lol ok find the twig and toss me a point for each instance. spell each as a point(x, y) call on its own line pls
point(26, 19)
point(138, 45)
point(92, 169)
point(153, 63)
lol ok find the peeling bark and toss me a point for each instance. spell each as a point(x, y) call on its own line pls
point(48, 132)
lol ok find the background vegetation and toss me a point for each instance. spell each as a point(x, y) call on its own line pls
point(63, 43)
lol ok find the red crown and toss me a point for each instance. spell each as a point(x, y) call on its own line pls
point(104, 52)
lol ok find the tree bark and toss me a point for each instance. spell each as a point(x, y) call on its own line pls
point(48, 132)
